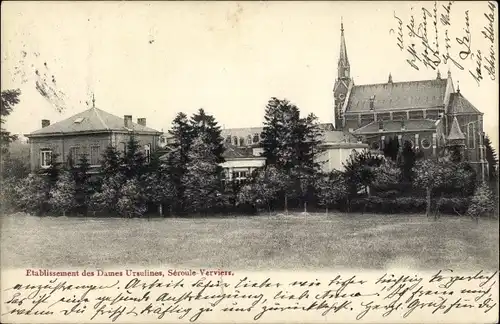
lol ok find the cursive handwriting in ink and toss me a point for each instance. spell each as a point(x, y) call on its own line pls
point(445, 17)
point(400, 32)
point(465, 41)
point(489, 33)
point(476, 74)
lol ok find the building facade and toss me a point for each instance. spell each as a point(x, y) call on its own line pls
point(421, 113)
point(87, 133)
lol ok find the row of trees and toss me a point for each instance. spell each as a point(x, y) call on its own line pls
point(189, 180)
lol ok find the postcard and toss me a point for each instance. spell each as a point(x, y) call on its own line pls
point(249, 162)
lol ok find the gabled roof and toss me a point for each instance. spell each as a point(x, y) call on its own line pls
point(232, 151)
point(395, 126)
point(397, 95)
point(459, 105)
point(455, 131)
point(91, 120)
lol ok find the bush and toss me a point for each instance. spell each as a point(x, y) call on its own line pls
point(482, 203)
point(375, 204)
point(453, 205)
point(31, 194)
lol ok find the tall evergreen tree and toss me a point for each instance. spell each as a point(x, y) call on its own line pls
point(202, 123)
point(9, 98)
point(178, 157)
point(491, 158)
point(110, 163)
point(202, 180)
point(134, 161)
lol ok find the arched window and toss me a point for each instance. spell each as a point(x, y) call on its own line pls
point(249, 139)
point(242, 141)
point(256, 138)
point(375, 145)
point(235, 141)
point(228, 139)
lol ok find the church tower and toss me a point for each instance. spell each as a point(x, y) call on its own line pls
point(343, 81)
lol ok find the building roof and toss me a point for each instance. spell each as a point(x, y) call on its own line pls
point(455, 131)
point(395, 126)
point(91, 120)
point(459, 105)
point(233, 152)
point(397, 95)
point(338, 137)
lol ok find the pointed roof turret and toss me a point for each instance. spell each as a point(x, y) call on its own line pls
point(455, 131)
point(343, 65)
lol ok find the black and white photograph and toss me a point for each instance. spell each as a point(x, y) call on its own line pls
point(240, 162)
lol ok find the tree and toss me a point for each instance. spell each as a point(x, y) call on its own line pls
point(157, 185)
point(332, 189)
point(131, 199)
point(62, 195)
point(482, 203)
point(32, 194)
point(391, 148)
point(407, 159)
point(264, 188)
point(110, 163)
point(292, 143)
point(178, 157)
point(106, 199)
point(491, 158)
point(429, 175)
point(386, 175)
point(202, 187)
point(206, 125)
point(134, 161)
point(359, 170)
point(9, 98)
point(83, 188)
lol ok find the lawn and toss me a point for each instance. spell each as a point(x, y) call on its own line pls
point(253, 243)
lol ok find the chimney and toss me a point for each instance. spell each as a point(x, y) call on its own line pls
point(127, 119)
point(45, 123)
point(141, 121)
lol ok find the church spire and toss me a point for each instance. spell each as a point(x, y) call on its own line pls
point(343, 66)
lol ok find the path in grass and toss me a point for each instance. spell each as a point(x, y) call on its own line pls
point(263, 242)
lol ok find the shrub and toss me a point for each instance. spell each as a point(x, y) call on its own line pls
point(453, 205)
point(482, 203)
point(31, 194)
point(63, 194)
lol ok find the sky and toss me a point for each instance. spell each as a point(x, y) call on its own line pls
point(156, 59)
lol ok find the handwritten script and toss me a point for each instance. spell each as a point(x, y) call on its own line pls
point(443, 34)
point(443, 295)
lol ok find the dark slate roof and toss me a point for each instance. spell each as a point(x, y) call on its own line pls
point(455, 131)
point(459, 105)
point(92, 120)
point(232, 151)
point(395, 126)
point(398, 95)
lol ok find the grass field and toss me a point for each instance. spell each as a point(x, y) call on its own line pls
point(264, 242)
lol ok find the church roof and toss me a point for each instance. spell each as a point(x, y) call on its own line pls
point(91, 120)
point(455, 131)
point(395, 126)
point(459, 105)
point(397, 95)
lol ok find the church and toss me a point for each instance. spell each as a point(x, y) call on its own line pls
point(431, 115)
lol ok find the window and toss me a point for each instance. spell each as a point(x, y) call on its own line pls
point(147, 152)
point(124, 145)
point(94, 155)
point(471, 136)
point(425, 143)
point(45, 158)
point(239, 176)
point(235, 141)
point(228, 139)
point(375, 145)
point(74, 154)
point(78, 120)
point(249, 140)
point(242, 141)
point(255, 138)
